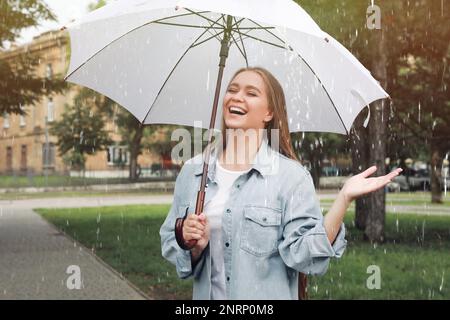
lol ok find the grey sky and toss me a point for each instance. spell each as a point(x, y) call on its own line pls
point(65, 10)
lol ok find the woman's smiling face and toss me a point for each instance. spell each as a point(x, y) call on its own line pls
point(245, 104)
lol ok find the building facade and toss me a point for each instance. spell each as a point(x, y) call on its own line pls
point(26, 146)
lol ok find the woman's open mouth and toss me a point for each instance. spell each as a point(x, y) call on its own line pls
point(237, 111)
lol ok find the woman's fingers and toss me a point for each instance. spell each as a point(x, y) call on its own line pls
point(195, 221)
point(368, 171)
point(393, 174)
point(195, 224)
point(385, 180)
point(192, 236)
point(195, 230)
point(192, 233)
point(194, 227)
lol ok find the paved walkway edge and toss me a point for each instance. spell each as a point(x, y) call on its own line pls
point(97, 258)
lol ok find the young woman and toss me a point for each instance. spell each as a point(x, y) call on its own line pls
point(262, 223)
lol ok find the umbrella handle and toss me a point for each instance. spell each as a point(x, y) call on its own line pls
point(188, 245)
point(185, 245)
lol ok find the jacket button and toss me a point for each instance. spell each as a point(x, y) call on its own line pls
point(227, 244)
point(228, 278)
point(228, 210)
point(265, 219)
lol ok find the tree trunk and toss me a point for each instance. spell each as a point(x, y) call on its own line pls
point(376, 213)
point(436, 174)
point(316, 169)
point(358, 140)
point(133, 165)
point(377, 146)
point(135, 151)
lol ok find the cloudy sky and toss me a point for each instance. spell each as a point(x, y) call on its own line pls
point(65, 10)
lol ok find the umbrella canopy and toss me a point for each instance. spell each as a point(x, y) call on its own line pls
point(159, 60)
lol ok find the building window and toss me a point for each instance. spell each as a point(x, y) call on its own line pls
point(49, 71)
point(48, 155)
point(9, 156)
point(6, 120)
point(22, 121)
point(23, 158)
point(118, 155)
point(50, 110)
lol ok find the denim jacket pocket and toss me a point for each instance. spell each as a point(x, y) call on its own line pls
point(260, 229)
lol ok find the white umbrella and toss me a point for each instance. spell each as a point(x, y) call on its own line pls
point(160, 63)
point(159, 59)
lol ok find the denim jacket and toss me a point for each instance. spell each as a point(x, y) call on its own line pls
point(272, 228)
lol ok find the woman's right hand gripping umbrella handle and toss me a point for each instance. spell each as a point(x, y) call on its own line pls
point(189, 244)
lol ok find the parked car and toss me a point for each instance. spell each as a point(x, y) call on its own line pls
point(330, 171)
point(393, 187)
point(420, 180)
point(400, 180)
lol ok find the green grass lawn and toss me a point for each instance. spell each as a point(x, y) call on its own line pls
point(65, 181)
point(50, 181)
point(414, 261)
point(407, 199)
point(87, 193)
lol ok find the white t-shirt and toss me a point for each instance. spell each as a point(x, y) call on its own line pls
point(214, 210)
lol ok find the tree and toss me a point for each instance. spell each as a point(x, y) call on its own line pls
point(19, 83)
point(132, 132)
point(417, 28)
point(80, 131)
point(430, 121)
point(17, 15)
point(360, 153)
point(419, 82)
point(347, 22)
point(97, 4)
point(131, 129)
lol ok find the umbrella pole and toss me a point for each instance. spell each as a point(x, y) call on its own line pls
point(224, 50)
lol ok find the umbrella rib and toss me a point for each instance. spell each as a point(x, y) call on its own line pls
point(267, 29)
point(242, 41)
point(167, 78)
point(206, 18)
point(326, 91)
point(180, 15)
point(253, 28)
point(187, 25)
point(237, 22)
point(211, 27)
point(242, 51)
point(239, 48)
point(213, 36)
point(264, 41)
point(259, 28)
point(217, 34)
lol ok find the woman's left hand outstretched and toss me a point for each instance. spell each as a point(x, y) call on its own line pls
point(360, 184)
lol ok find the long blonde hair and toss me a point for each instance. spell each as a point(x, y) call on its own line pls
point(277, 104)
